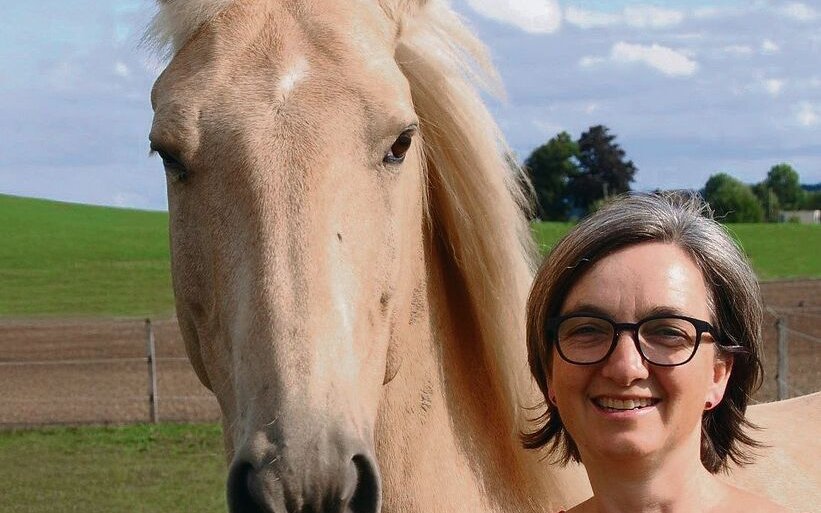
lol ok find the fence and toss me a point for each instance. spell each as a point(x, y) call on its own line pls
point(86, 371)
point(105, 371)
point(792, 339)
point(785, 386)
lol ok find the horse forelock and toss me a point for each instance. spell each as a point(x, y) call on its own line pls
point(476, 193)
point(177, 20)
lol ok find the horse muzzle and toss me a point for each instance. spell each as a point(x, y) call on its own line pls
point(344, 478)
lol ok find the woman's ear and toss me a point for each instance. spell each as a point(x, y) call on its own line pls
point(722, 368)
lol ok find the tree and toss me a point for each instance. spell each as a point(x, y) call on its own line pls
point(602, 169)
point(769, 201)
point(731, 200)
point(549, 168)
point(783, 180)
point(811, 200)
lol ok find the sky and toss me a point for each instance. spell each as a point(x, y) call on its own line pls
point(689, 88)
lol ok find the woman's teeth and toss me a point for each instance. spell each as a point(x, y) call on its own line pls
point(624, 404)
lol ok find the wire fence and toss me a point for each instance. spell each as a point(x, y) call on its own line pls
point(792, 339)
point(104, 371)
point(97, 372)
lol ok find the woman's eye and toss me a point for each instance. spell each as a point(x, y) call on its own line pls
point(588, 329)
point(400, 147)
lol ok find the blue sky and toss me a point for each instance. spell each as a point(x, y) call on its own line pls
point(689, 88)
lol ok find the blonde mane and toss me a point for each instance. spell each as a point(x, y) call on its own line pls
point(476, 199)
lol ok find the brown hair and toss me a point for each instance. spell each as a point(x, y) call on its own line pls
point(736, 306)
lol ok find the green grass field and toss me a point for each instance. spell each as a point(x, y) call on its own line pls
point(60, 259)
point(63, 259)
point(166, 468)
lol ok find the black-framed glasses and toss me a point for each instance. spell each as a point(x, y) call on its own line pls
point(667, 341)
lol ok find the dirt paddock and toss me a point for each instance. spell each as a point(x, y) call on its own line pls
point(94, 371)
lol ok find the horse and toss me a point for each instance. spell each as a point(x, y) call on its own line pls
point(350, 257)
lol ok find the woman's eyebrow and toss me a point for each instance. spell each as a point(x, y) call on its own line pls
point(586, 308)
point(590, 308)
point(664, 310)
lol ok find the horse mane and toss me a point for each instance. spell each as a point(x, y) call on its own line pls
point(476, 200)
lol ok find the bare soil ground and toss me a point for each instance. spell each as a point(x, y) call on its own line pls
point(94, 371)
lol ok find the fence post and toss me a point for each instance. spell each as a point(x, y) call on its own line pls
point(783, 359)
point(152, 371)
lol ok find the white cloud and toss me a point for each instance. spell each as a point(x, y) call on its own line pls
point(668, 61)
point(590, 19)
point(708, 12)
point(739, 50)
point(590, 108)
point(638, 16)
point(589, 61)
point(649, 16)
point(121, 70)
point(769, 47)
point(807, 114)
point(774, 86)
point(535, 16)
point(799, 12)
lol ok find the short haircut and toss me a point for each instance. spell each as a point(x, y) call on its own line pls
point(686, 221)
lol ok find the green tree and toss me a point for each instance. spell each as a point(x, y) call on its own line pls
point(811, 200)
point(731, 200)
point(549, 167)
point(783, 180)
point(769, 201)
point(603, 170)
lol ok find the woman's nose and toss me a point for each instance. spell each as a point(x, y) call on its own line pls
point(625, 364)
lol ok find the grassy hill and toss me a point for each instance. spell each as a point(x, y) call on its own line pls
point(61, 259)
point(66, 259)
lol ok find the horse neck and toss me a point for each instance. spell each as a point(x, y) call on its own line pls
point(444, 418)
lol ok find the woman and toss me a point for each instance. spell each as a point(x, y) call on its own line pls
point(644, 335)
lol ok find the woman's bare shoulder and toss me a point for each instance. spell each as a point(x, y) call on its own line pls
point(742, 501)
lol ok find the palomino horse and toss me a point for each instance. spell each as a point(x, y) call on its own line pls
point(350, 260)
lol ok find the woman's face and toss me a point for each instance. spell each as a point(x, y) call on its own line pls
point(625, 407)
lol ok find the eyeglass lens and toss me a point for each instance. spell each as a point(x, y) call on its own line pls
point(668, 341)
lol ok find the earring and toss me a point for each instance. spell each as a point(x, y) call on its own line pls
point(708, 405)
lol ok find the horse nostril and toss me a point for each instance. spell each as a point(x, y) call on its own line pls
point(367, 494)
point(242, 495)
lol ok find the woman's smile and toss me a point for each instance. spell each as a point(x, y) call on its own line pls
point(637, 405)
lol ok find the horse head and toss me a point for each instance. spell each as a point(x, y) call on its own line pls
point(295, 191)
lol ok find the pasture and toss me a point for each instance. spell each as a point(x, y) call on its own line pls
point(61, 259)
point(131, 469)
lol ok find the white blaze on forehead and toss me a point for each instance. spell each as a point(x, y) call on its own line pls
point(294, 74)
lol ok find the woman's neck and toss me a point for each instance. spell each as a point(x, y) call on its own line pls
point(676, 482)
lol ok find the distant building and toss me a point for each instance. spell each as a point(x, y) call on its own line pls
point(800, 216)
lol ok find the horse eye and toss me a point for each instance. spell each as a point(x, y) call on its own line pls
point(400, 147)
point(172, 165)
